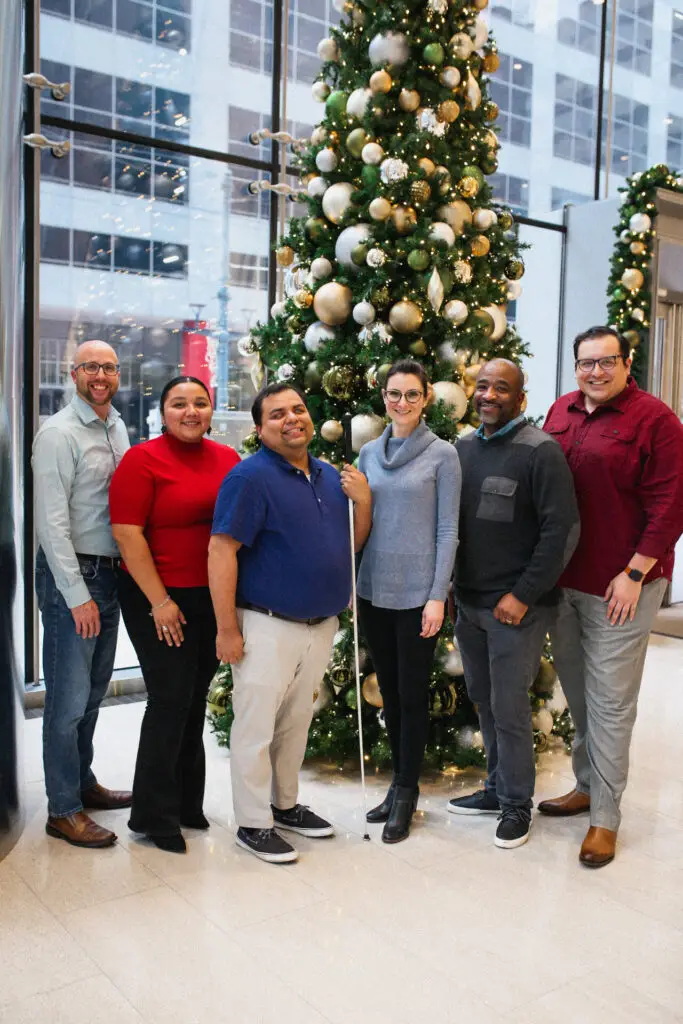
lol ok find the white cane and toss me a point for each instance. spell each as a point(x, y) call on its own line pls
point(348, 451)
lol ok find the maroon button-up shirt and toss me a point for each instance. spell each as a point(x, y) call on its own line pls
point(626, 458)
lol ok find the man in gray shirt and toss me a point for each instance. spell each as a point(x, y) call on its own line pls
point(75, 453)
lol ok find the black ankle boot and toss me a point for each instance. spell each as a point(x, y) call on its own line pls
point(171, 844)
point(383, 810)
point(403, 808)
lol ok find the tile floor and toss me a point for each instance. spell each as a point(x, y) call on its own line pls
point(442, 928)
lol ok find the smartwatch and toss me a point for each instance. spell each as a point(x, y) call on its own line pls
point(635, 574)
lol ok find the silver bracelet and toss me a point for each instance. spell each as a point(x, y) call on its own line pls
point(156, 607)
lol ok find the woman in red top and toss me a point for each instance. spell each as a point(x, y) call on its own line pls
point(161, 500)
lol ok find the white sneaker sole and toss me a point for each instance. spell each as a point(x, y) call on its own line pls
point(310, 833)
point(470, 810)
point(270, 858)
point(512, 844)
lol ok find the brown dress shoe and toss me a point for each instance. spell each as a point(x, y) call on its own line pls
point(80, 830)
point(565, 806)
point(598, 847)
point(97, 798)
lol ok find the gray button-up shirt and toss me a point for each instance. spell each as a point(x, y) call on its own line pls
point(75, 454)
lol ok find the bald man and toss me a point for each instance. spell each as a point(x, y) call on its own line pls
point(75, 453)
point(519, 525)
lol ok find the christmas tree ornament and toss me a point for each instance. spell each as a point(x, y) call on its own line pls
point(441, 232)
point(337, 201)
point(491, 139)
point(380, 82)
point(328, 50)
point(484, 321)
point(364, 313)
point(481, 5)
point(434, 53)
point(625, 236)
point(480, 245)
point(405, 317)
point(359, 254)
point(448, 111)
point(358, 103)
point(321, 268)
point(365, 427)
point(382, 373)
point(472, 171)
point(506, 220)
point(318, 135)
point(640, 223)
point(284, 256)
point(435, 291)
point(218, 697)
point(479, 33)
point(452, 664)
point(489, 163)
point(338, 382)
point(453, 396)
point(462, 271)
point(372, 153)
point(404, 219)
point(418, 259)
point(312, 377)
point(450, 77)
point(408, 100)
point(638, 315)
point(355, 141)
point(638, 248)
point(317, 229)
point(370, 177)
point(322, 696)
point(632, 337)
point(514, 270)
point(303, 298)
point(347, 242)
point(380, 209)
point(332, 431)
point(420, 192)
point(461, 46)
point(543, 721)
point(326, 161)
point(247, 346)
point(490, 63)
point(316, 335)
point(375, 259)
point(316, 187)
point(320, 91)
point(389, 48)
point(484, 220)
point(456, 311)
point(427, 121)
point(371, 691)
point(277, 309)
point(332, 303)
point(335, 104)
point(500, 323)
point(418, 348)
point(458, 214)
point(427, 166)
point(393, 170)
point(285, 372)
point(443, 176)
point(491, 111)
point(437, 6)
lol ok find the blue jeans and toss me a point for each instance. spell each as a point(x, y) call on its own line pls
point(77, 673)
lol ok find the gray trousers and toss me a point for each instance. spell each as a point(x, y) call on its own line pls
point(500, 663)
point(601, 667)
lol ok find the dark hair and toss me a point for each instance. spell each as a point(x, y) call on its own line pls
point(267, 391)
point(409, 366)
point(602, 332)
point(174, 383)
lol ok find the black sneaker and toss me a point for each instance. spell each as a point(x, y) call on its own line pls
point(302, 820)
point(266, 844)
point(481, 802)
point(514, 827)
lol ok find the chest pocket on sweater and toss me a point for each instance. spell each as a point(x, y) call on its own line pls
point(497, 501)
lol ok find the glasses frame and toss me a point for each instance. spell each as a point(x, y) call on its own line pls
point(598, 362)
point(402, 394)
point(100, 366)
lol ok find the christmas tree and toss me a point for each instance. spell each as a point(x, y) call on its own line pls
point(403, 252)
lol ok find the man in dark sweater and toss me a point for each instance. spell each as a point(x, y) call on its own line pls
point(519, 525)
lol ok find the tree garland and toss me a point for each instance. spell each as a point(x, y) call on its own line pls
point(629, 291)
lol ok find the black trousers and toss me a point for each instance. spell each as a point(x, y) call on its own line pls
point(170, 770)
point(403, 663)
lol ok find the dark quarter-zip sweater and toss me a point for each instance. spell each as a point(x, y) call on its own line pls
point(519, 520)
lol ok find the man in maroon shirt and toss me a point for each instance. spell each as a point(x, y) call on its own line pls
point(625, 450)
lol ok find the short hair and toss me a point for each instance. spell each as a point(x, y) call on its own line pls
point(181, 380)
point(272, 389)
point(409, 366)
point(602, 332)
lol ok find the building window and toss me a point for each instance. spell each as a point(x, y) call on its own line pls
point(677, 49)
point(251, 33)
point(633, 39)
point(511, 90)
point(575, 129)
point(166, 22)
point(674, 141)
point(120, 253)
point(516, 12)
point(562, 196)
point(248, 271)
point(513, 192)
point(243, 203)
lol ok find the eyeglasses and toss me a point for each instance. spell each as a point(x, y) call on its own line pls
point(92, 369)
point(395, 396)
point(588, 365)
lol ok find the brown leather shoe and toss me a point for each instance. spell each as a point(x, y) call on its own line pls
point(80, 830)
point(565, 806)
point(97, 798)
point(598, 847)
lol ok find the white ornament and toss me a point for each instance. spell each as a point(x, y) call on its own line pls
point(452, 395)
point(457, 214)
point(640, 223)
point(638, 315)
point(316, 187)
point(316, 335)
point(337, 200)
point(389, 48)
point(440, 232)
point(479, 33)
point(285, 372)
point(357, 103)
point(462, 271)
point(375, 258)
point(438, 6)
point(328, 50)
point(472, 92)
point(380, 209)
point(636, 176)
point(320, 91)
point(624, 198)
point(543, 721)
point(321, 268)
point(461, 46)
point(427, 121)
point(465, 737)
point(456, 311)
point(372, 153)
point(318, 135)
point(625, 236)
point(364, 313)
point(326, 161)
point(277, 309)
point(633, 279)
point(247, 346)
point(347, 242)
point(332, 430)
point(500, 323)
point(465, 429)
point(435, 292)
point(558, 701)
point(365, 427)
point(514, 290)
point(450, 77)
point(678, 182)
point(447, 353)
point(484, 220)
point(393, 170)
point(452, 665)
point(376, 332)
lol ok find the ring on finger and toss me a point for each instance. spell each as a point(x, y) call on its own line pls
point(165, 629)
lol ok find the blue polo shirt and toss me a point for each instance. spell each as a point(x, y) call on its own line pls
point(296, 553)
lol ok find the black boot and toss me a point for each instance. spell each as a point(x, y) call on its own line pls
point(403, 808)
point(383, 810)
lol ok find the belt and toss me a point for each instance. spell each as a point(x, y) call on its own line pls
point(278, 615)
point(108, 561)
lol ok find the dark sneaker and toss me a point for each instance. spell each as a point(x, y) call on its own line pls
point(481, 802)
point(302, 820)
point(514, 828)
point(266, 844)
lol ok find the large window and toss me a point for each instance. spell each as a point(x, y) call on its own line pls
point(161, 21)
point(633, 35)
point(511, 89)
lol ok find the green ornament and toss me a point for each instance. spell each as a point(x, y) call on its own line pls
point(293, 324)
point(489, 164)
point(514, 270)
point(418, 348)
point(358, 254)
point(251, 443)
point(312, 377)
point(317, 229)
point(355, 141)
point(505, 220)
point(370, 176)
point(472, 171)
point(381, 374)
point(434, 53)
point(351, 698)
point(446, 280)
point(335, 103)
point(418, 259)
point(619, 294)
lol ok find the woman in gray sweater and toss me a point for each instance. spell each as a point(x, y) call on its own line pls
point(404, 576)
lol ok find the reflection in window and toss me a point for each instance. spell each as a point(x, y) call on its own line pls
point(677, 49)
point(633, 38)
point(511, 90)
point(562, 196)
point(54, 244)
point(516, 12)
point(575, 128)
point(163, 21)
point(674, 141)
point(248, 270)
point(121, 253)
point(512, 191)
point(251, 33)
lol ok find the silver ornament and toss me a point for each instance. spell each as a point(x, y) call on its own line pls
point(375, 259)
point(247, 346)
point(285, 372)
point(427, 121)
point(393, 170)
point(316, 335)
point(321, 268)
point(364, 313)
point(326, 160)
point(389, 48)
point(438, 6)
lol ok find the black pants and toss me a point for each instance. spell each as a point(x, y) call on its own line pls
point(403, 663)
point(170, 768)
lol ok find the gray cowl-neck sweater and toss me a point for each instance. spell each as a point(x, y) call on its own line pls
point(409, 556)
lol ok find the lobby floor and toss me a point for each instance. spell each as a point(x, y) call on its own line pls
point(441, 928)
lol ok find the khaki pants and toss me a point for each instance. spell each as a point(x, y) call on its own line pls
point(601, 667)
point(273, 688)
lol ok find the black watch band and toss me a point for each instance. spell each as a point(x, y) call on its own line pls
point(635, 574)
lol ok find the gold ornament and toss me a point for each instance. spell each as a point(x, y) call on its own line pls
point(420, 192)
point(337, 382)
point(380, 297)
point(491, 111)
point(404, 219)
point(427, 165)
point(485, 321)
point(638, 248)
point(332, 431)
point(633, 279)
point(445, 180)
point(418, 348)
point(308, 178)
point(284, 256)
point(218, 697)
point(481, 4)
point(480, 245)
point(380, 209)
point(333, 138)
point(471, 373)
point(409, 99)
point(303, 299)
point(381, 81)
point(469, 390)
point(371, 691)
point(332, 303)
point(405, 317)
point(448, 111)
point(491, 63)
point(468, 187)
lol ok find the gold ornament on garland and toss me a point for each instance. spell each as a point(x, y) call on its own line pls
point(408, 100)
point(337, 382)
point(638, 248)
point(420, 192)
point(332, 303)
point(404, 219)
point(426, 165)
point(490, 63)
point(405, 317)
point(332, 431)
point(468, 187)
point(633, 279)
point(448, 111)
point(480, 245)
point(491, 111)
point(284, 256)
point(381, 81)
point(303, 299)
point(380, 209)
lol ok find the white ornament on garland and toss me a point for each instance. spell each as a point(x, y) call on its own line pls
point(438, 6)
point(453, 396)
point(372, 153)
point(277, 309)
point(316, 335)
point(389, 48)
point(247, 346)
point(320, 91)
point(321, 268)
point(318, 135)
point(461, 46)
point(456, 311)
point(332, 431)
point(328, 50)
point(450, 77)
point(543, 721)
point(347, 242)
point(317, 187)
point(484, 220)
point(393, 170)
point(479, 33)
point(364, 313)
point(640, 223)
point(365, 427)
point(337, 201)
point(376, 332)
point(357, 103)
point(326, 160)
point(440, 232)
point(638, 315)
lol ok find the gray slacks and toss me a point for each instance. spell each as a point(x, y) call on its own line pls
point(601, 667)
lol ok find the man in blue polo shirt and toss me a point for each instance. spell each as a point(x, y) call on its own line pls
point(280, 573)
